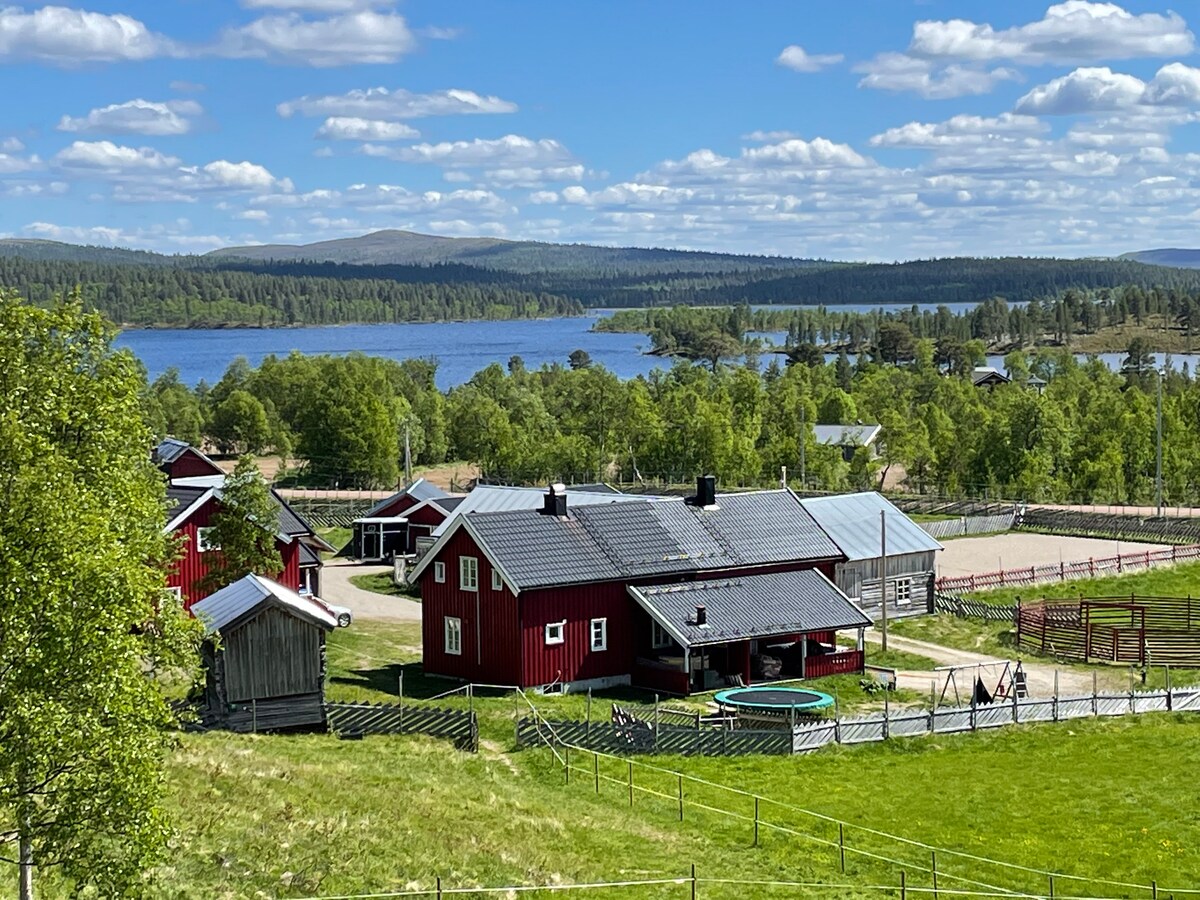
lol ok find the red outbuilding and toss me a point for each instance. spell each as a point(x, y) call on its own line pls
point(179, 459)
point(672, 594)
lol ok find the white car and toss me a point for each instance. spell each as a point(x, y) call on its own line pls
point(344, 614)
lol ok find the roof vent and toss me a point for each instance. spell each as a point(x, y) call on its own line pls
point(701, 616)
point(706, 492)
point(555, 501)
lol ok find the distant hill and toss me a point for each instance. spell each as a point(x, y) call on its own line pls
point(1168, 256)
point(57, 251)
point(410, 248)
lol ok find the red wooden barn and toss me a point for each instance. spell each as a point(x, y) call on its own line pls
point(423, 505)
point(179, 459)
point(191, 505)
point(672, 594)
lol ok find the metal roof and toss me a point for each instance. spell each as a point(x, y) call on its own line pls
point(981, 374)
point(169, 450)
point(749, 606)
point(852, 521)
point(858, 435)
point(290, 524)
point(642, 538)
point(420, 490)
point(180, 497)
point(497, 498)
point(246, 596)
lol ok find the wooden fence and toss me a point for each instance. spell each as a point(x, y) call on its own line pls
point(964, 525)
point(642, 737)
point(354, 720)
point(1167, 530)
point(973, 609)
point(1143, 630)
point(1067, 571)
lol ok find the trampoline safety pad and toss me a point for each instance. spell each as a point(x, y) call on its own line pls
point(774, 698)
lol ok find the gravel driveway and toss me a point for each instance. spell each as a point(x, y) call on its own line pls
point(336, 588)
point(971, 556)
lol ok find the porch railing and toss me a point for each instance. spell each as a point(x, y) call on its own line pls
point(844, 663)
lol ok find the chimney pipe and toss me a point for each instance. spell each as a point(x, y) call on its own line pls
point(701, 615)
point(706, 492)
point(555, 501)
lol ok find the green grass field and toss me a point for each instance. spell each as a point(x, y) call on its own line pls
point(381, 583)
point(1175, 581)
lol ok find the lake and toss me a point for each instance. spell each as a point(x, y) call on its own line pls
point(461, 348)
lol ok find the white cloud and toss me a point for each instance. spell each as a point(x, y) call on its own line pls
point(899, 72)
point(381, 103)
point(11, 164)
point(354, 38)
point(71, 37)
point(795, 57)
point(173, 236)
point(818, 152)
point(510, 150)
point(11, 145)
point(107, 156)
point(959, 130)
point(352, 128)
point(136, 117)
point(1076, 31)
point(389, 198)
point(533, 176)
point(1084, 90)
point(542, 197)
point(760, 137)
point(1174, 85)
point(318, 6)
point(253, 215)
point(241, 176)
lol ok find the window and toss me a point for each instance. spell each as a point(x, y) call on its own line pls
point(556, 632)
point(453, 635)
point(175, 595)
point(903, 592)
point(659, 639)
point(439, 572)
point(497, 581)
point(599, 633)
point(468, 573)
point(203, 542)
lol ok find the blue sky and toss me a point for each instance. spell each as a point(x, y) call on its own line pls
point(858, 130)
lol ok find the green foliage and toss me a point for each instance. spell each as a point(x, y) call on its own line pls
point(83, 730)
point(243, 530)
point(239, 424)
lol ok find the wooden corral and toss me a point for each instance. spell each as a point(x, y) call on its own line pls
point(265, 659)
point(1143, 630)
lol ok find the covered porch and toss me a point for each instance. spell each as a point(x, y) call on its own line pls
point(749, 629)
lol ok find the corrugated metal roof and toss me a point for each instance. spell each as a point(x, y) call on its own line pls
point(852, 521)
point(180, 497)
point(859, 435)
point(245, 595)
point(501, 498)
point(750, 606)
point(420, 490)
point(169, 450)
point(289, 523)
point(638, 538)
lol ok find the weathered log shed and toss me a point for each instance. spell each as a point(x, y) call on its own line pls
point(265, 656)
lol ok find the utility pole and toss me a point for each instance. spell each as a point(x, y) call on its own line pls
point(803, 441)
point(883, 575)
point(407, 458)
point(1158, 472)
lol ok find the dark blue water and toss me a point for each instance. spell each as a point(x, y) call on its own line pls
point(461, 348)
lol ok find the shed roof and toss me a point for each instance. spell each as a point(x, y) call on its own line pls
point(420, 490)
point(497, 498)
point(858, 435)
point(749, 606)
point(247, 596)
point(984, 374)
point(642, 538)
point(169, 450)
point(852, 521)
point(290, 524)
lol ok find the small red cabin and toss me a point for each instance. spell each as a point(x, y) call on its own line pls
point(672, 594)
point(423, 506)
point(179, 459)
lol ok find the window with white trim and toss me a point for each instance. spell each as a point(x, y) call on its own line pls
point(453, 627)
point(204, 542)
point(903, 591)
point(497, 581)
point(599, 633)
point(556, 632)
point(659, 639)
point(468, 573)
point(439, 572)
point(175, 595)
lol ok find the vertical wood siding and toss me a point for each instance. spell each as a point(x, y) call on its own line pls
point(574, 659)
point(191, 464)
point(272, 655)
point(421, 523)
point(395, 508)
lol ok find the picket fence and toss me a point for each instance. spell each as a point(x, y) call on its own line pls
point(644, 738)
point(354, 720)
point(950, 528)
point(973, 609)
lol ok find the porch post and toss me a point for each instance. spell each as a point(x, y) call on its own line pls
point(861, 639)
point(804, 655)
point(687, 667)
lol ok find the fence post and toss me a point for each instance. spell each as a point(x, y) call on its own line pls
point(631, 782)
point(1095, 703)
point(1154, 890)
point(693, 881)
point(1168, 685)
point(566, 763)
point(589, 713)
point(254, 715)
point(400, 694)
point(1051, 887)
point(842, 846)
point(439, 887)
point(756, 821)
point(596, 769)
point(680, 777)
point(886, 713)
point(933, 869)
point(1054, 707)
point(656, 723)
point(1131, 707)
point(903, 887)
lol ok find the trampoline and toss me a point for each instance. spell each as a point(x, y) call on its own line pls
point(774, 699)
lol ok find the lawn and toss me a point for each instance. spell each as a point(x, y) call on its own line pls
point(1173, 581)
point(336, 535)
point(298, 816)
point(381, 583)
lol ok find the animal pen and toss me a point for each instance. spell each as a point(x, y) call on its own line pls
point(1141, 630)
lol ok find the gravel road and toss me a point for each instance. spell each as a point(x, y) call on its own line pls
point(336, 588)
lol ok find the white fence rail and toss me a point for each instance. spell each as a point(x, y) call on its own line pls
point(949, 528)
point(953, 719)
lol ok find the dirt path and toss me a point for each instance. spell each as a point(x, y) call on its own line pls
point(1039, 677)
point(336, 588)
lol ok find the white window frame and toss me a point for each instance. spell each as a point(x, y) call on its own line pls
point(468, 573)
point(175, 595)
point(497, 581)
point(439, 572)
point(660, 638)
point(598, 633)
point(203, 544)
point(452, 633)
point(902, 591)
point(556, 633)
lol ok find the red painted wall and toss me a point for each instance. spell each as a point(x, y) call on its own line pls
point(421, 522)
point(188, 570)
point(574, 659)
point(491, 646)
point(190, 464)
point(395, 508)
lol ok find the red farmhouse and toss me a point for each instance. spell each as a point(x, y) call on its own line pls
point(675, 595)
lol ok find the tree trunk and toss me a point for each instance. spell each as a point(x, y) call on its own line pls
point(25, 851)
